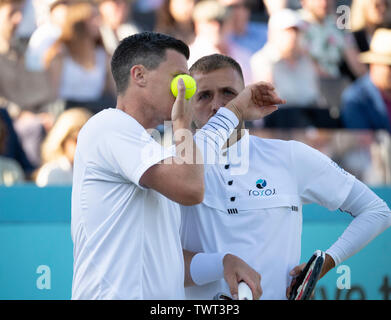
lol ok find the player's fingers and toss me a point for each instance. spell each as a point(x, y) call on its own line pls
point(263, 86)
point(272, 98)
point(289, 289)
point(259, 93)
point(233, 286)
point(256, 289)
point(253, 280)
point(267, 98)
point(296, 270)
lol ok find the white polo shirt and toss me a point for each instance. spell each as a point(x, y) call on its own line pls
point(253, 209)
point(126, 238)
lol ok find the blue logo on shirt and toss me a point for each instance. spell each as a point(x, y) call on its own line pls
point(261, 183)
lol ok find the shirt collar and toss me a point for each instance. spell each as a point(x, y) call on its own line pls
point(239, 148)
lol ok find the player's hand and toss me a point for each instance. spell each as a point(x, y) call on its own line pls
point(255, 101)
point(235, 271)
point(294, 273)
point(329, 263)
point(181, 111)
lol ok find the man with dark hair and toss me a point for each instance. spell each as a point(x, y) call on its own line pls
point(126, 186)
point(147, 49)
point(254, 195)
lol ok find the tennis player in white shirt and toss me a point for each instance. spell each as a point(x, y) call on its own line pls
point(252, 208)
point(125, 213)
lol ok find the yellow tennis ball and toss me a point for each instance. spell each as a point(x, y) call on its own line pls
point(190, 84)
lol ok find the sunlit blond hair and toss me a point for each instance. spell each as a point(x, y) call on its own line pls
point(75, 26)
point(67, 125)
point(359, 13)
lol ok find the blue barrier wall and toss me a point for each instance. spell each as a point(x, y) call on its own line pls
point(36, 247)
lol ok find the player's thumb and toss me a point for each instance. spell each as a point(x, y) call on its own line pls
point(181, 90)
point(269, 110)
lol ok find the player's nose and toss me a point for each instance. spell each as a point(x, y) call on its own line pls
point(215, 106)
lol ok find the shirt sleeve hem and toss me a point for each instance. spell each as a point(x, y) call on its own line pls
point(145, 166)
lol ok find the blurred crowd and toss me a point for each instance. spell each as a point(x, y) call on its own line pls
point(331, 60)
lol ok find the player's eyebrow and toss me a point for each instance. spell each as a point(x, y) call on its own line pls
point(229, 89)
point(203, 91)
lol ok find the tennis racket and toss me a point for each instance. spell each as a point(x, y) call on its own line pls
point(307, 279)
point(244, 293)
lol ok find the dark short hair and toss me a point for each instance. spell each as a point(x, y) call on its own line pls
point(147, 49)
point(215, 62)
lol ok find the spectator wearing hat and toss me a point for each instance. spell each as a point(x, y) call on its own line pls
point(283, 62)
point(209, 17)
point(366, 104)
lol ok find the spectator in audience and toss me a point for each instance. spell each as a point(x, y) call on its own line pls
point(282, 61)
point(27, 25)
point(209, 18)
point(240, 30)
point(46, 35)
point(328, 45)
point(27, 91)
point(10, 170)
point(145, 13)
point(58, 149)
point(14, 78)
point(175, 18)
point(366, 104)
point(366, 17)
point(116, 16)
point(12, 147)
point(77, 62)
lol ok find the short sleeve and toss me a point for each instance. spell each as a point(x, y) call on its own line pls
point(319, 179)
point(129, 151)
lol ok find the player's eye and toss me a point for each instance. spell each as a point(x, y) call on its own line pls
point(204, 96)
point(229, 92)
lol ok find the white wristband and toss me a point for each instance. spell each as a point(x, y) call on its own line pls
point(207, 267)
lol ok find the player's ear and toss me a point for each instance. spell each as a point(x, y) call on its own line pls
point(138, 75)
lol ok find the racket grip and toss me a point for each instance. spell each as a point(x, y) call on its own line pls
point(244, 292)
